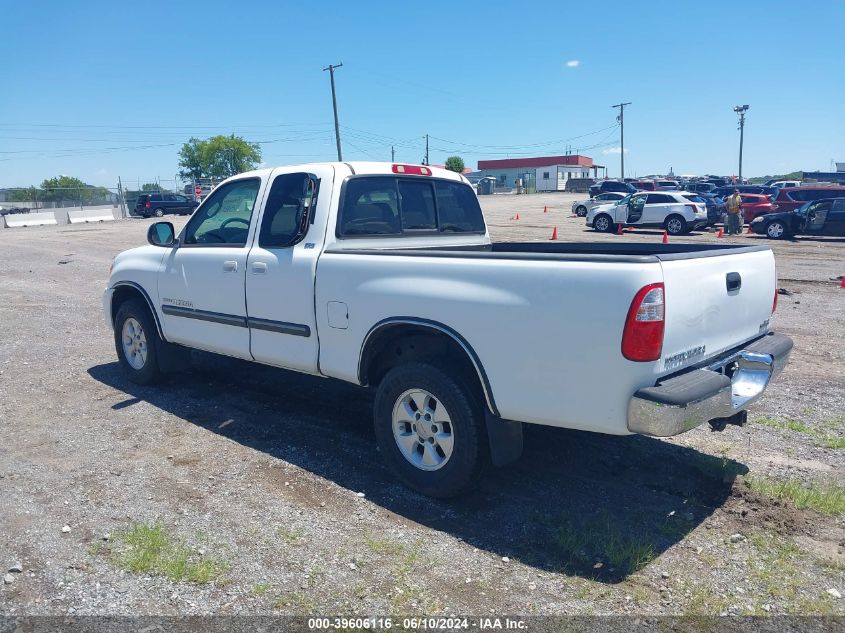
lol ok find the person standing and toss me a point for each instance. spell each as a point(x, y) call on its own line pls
point(734, 208)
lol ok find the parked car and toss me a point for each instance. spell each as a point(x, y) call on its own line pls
point(581, 207)
point(644, 185)
point(700, 187)
point(159, 204)
point(820, 217)
point(677, 212)
point(666, 184)
point(715, 208)
point(782, 184)
point(307, 267)
point(790, 198)
point(754, 205)
point(611, 185)
point(724, 192)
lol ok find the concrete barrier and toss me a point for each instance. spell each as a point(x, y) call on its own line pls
point(42, 218)
point(101, 214)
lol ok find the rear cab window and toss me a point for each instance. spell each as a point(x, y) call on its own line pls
point(396, 206)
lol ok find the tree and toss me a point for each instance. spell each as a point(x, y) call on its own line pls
point(151, 186)
point(455, 163)
point(69, 188)
point(218, 157)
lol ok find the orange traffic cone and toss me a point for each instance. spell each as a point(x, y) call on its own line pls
point(720, 233)
point(842, 283)
point(618, 229)
point(554, 234)
point(665, 237)
point(517, 216)
point(545, 209)
point(631, 228)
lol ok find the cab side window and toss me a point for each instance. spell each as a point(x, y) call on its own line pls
point(286, 209)
point(224, 217)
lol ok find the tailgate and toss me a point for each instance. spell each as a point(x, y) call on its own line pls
point(706, 313)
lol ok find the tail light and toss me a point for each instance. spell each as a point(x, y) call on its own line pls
point(147, 204)
point(642, 339)
point(694, 208)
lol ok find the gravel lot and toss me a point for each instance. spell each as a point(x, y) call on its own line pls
point(235, 488)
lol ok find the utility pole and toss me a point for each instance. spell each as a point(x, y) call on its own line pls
point(425, 162)
point(392, 154)
point(331, 68)
point(741, 110)
point(621, 119)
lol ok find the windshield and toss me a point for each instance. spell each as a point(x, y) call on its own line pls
point(694, 198)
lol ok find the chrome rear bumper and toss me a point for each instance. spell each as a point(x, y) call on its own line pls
point(728, 385)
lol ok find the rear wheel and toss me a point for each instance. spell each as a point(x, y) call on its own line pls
point(603, 223)
point(430, 430)
point(776, 230)
point(581, 211)
point(676, 225)
point(158, 213)
point(136, 341)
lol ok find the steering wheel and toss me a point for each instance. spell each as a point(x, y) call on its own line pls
point(230, 220)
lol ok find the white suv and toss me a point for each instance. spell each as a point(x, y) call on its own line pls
point(676, 211)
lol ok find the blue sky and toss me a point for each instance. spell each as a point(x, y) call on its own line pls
point(101, 90)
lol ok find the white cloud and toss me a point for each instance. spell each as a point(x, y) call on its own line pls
point(573, 63)
point(613, 150)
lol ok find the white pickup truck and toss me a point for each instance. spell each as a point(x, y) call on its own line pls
point(384, 275)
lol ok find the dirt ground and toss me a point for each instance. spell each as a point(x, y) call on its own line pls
point(240, 489)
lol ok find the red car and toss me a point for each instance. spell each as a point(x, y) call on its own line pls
point(755, 204)
point(790, 198)
point(644, 185)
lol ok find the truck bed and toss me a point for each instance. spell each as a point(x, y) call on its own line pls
point(568, 251)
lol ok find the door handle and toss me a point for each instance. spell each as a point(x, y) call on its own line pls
point(259, 268)
point(733, 281)
point(230, 267)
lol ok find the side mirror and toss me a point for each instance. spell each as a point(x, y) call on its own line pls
point(161, 234)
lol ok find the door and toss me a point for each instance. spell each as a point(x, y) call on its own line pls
point(817, 218)
point(182, 205)
point(281, 270)
point(657, 207)
point(201, 282)
point(636, 206)
point(836, 219)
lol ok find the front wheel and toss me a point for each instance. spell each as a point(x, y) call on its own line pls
point(776, 230)
point(136, 341)
point(676, 225)
point(603, 223)
point(581, 211)
point(430, 430)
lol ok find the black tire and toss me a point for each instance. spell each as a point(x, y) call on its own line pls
point(581, 211)
point(603, 223)
point(675, 225)
point(461, 472)
point(137, 309)
point(158, 213)
point(777, 230)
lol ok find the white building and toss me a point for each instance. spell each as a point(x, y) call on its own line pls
point(549, 173)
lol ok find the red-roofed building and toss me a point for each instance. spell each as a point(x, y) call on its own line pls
point(550, 173)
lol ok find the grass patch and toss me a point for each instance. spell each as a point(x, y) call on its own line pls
point(828, 440)
point(259, 589)
point(382, 545)
point(583, 542)
point(824, 498)
point(147, 548)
